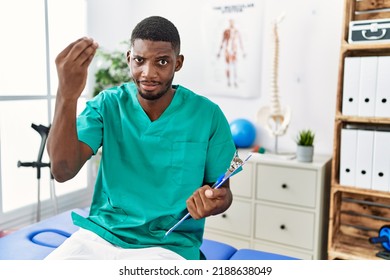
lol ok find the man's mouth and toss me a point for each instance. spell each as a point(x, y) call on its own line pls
point(148, 86)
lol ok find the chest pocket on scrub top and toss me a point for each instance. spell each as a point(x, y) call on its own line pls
point(188, 162)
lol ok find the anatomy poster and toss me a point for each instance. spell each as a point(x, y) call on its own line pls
point(232, 40)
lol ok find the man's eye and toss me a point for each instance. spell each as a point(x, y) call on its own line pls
point(163, 62)
point(138, 59)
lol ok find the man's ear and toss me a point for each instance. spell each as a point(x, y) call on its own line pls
point(128, 56)
point(179, 62)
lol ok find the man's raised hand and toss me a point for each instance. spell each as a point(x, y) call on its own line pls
point(72, 67)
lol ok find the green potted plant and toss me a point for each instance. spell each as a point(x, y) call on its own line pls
point(305, 145)
point(112, 70)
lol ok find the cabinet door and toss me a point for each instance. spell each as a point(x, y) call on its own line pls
point(241, 183)
point(285, 226)
point(237, 219)
point(286, 185)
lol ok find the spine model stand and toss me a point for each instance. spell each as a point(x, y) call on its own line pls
point(273, 118)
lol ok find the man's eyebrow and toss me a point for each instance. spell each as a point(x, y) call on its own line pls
point(163, 57)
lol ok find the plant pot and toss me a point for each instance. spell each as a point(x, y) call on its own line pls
point(305, 153)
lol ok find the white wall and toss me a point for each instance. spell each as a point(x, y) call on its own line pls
point(310, 39)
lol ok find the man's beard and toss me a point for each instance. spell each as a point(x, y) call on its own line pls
point(160, 94)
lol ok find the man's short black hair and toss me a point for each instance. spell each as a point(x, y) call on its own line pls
point(156, 28)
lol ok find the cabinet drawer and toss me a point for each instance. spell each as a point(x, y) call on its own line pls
point(286, 185)
point(285, 226)
point(237, 219)
point(241, 183)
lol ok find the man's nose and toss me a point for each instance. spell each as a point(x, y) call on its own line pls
point(149, 70)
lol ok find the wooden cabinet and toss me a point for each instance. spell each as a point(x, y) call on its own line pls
point(356, 213)
point(279, 206)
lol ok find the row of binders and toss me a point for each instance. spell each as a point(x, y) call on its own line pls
point(365, 159)
point(366, 87)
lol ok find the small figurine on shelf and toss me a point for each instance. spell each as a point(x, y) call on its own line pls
point(258, 149)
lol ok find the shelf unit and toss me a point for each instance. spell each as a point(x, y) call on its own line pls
point(356, 214)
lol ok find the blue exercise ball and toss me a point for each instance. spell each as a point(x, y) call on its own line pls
point(243, 132)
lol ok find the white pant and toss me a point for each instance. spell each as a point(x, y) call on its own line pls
point(86, 245)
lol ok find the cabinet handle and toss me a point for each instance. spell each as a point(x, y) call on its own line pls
point(282, 227)
point(224, 216)
point(284, 186)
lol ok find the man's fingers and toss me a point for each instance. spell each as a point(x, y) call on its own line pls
point(199, 204)
point(217, 193)
point(88, 54)
point(66, 51)
point(195, 205)
point(191, 206)
point(82, 50)
point(198, 201)
point(89, 59)
point(209, 193)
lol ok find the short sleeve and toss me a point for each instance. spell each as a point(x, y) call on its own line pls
point(221, 147)
point(90, 124)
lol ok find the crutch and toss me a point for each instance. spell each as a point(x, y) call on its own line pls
point(43, 132)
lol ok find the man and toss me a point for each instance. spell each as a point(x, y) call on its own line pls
point(163, 146)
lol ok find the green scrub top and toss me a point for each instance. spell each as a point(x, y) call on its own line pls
point(149, 169)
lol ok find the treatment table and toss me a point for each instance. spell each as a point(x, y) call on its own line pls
point(36, 241)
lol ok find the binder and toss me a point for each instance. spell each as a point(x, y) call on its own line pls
point(364, 154)
point(367, 86)
point(381, 161)
point(382, 99)
point(348, 146)
point(351, 86)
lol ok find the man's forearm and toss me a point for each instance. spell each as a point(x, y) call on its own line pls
point(62, 144)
